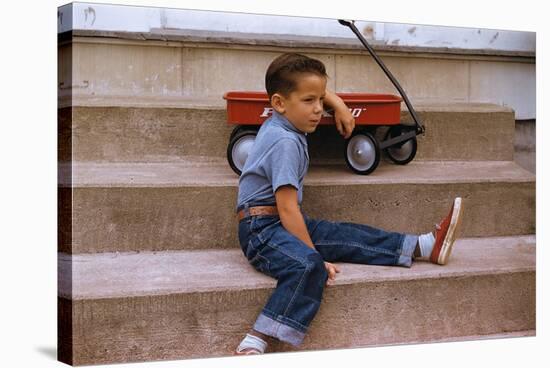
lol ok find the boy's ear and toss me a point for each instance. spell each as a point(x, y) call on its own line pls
point(278, 103)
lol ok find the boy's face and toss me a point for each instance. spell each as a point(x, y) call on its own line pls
point(304, 106)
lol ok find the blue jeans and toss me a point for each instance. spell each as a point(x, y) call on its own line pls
point(300, 271)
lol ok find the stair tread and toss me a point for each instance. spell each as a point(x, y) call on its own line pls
point(216, 172)
point(186, 102)
point(131, 274)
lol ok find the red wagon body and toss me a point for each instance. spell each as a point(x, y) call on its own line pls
point(253, 108)
point(249, 110)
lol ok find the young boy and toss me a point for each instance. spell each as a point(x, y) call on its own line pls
point(281, 241)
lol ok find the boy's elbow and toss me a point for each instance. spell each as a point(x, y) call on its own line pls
point(287, 207)
point(289, 216)
point(288, 210)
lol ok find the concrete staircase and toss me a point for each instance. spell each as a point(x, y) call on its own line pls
point(150, 267)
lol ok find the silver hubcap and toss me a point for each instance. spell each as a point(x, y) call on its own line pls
point(241, 149)
point(361, 152)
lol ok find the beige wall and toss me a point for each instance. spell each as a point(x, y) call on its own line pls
point(134, 69)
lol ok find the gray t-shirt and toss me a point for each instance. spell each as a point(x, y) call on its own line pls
point(278, 157)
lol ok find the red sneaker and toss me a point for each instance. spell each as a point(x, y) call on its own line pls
point(446, 233)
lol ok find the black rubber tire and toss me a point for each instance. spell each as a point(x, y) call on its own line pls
point(393, 132)
point(236, 130)
point(240, 132)
point(376, 148)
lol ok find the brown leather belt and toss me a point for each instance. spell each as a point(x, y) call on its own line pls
point(258, 210)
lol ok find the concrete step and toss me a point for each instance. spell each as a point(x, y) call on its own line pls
point(169, 130)
point(108, 207)
point(123, 307)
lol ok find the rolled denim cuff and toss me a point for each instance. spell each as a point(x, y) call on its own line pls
point(280, 331)
point(407, 250)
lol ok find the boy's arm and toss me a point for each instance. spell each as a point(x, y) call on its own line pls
point(289, 212)
point(345, 122)
point(293, 221)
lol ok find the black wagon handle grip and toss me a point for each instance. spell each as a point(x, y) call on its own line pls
point(351, 24)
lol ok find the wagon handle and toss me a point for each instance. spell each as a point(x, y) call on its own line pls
point(419, 127)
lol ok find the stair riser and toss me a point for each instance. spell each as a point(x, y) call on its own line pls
point(133, 219)
point(110, 67)
point(166, 134)
point(212, 324)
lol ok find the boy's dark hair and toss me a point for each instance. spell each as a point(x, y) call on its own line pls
point(281, 73)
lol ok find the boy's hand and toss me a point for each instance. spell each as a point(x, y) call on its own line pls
point(345, 122)
point(332, 269)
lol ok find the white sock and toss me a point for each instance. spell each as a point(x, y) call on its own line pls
point(426, 242)
point(254, 342)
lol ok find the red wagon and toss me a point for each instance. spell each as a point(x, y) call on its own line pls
point(248, 110)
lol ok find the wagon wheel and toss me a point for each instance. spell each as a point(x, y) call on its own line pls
point(239, 146)
point(240, 128)
point(362, 152)
point(401, 153)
